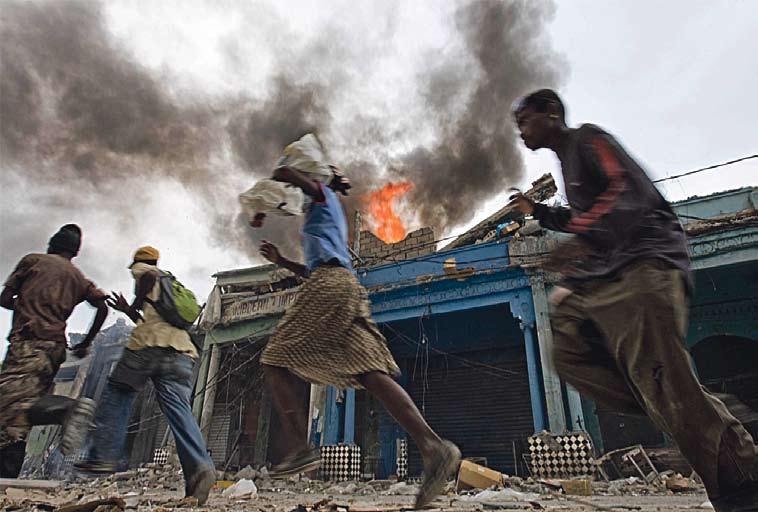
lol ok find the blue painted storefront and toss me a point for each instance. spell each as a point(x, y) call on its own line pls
point(476, 282)
point(481, 278)
point(475, 304)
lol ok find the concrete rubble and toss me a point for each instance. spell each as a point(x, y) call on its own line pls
point(161, 488)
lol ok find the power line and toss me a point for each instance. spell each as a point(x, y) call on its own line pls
point(715, 166)
point(466, 361)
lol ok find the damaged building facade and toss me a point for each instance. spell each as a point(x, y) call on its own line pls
point(469, 327)
point(232, 404)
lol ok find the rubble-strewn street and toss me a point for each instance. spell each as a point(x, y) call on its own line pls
point(378, 256)
point(159, 488)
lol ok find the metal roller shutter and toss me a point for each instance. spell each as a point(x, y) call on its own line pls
point(218, 435)
point(484, 408)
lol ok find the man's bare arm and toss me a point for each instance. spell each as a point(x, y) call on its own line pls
point(271, 253)
point(97, 322)
point(143, 287)
point(300, 180)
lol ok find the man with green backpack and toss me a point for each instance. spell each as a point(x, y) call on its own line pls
point(160, 349)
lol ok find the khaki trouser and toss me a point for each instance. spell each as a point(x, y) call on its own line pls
point(620, 341)
point(27, 374)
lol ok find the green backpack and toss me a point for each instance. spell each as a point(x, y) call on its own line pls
point(176, 304)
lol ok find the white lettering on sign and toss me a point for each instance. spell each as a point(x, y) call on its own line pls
point(267, 305)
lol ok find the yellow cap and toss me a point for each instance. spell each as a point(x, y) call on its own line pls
point(146, 253)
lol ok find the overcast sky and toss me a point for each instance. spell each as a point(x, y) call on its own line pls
point(672, 80)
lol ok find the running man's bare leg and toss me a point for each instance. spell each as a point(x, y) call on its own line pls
point(283, 386)
point(400, 405)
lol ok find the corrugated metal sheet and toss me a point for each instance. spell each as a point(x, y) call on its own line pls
point(218, 436)
point(483, 409)
point(161, 430)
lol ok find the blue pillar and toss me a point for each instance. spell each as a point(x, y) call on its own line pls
point(349, 437)
point(331, 418)
point(535, 390)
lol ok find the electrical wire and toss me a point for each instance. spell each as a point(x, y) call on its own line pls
point(715, 166)
point(500, 372)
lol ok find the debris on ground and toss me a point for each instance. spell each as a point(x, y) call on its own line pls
point(28, 484)
point(101, 505)
point(476, 476)
point(246, 473)
point(507, 494)
point(245, 488)
point(160, 488)
point(678, 483)
point(403, 489)
point(577, 487)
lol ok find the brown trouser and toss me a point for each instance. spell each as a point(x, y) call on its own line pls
point(620, 341)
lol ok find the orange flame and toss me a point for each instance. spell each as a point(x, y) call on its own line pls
point(387, 225)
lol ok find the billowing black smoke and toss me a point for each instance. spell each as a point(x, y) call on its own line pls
point(477, 153)
point(82, 121)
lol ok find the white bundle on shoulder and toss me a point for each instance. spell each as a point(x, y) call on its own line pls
point(273, 197)
point(307, 156)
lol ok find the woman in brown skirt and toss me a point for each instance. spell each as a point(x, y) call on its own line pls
point(328, 337)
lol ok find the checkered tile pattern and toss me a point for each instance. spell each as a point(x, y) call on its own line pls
point(73, 458)
point(341, 462)
point(402, 459)
point(160, 456)
point(562, 456)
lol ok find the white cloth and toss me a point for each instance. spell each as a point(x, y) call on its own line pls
point(272, 197)
point(307, 156)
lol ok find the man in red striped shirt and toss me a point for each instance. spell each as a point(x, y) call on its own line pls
point(619, 317)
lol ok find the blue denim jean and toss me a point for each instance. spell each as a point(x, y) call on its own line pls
point(171, 373)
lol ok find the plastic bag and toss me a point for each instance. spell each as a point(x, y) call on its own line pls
point(244, 488)
point(272, 197)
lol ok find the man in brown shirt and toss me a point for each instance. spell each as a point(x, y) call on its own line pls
point(42, 292)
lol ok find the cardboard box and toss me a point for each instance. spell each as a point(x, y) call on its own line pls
point(577, 487)
point(474, 476)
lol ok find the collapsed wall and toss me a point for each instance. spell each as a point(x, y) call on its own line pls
point(374, 251)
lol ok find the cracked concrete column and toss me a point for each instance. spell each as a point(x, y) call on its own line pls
point(553, 395)
point(209, 398)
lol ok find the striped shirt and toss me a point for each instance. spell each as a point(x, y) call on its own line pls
point(614, 208)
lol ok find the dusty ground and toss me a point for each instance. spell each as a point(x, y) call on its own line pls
point(161, 489)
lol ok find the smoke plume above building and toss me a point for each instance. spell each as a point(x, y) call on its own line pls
point(85, 126)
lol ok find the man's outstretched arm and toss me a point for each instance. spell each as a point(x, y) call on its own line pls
point(555, 218)
point(600, 156)
point(101, 314)
point(271, 253)
point(300, 180)
point(145, 284)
